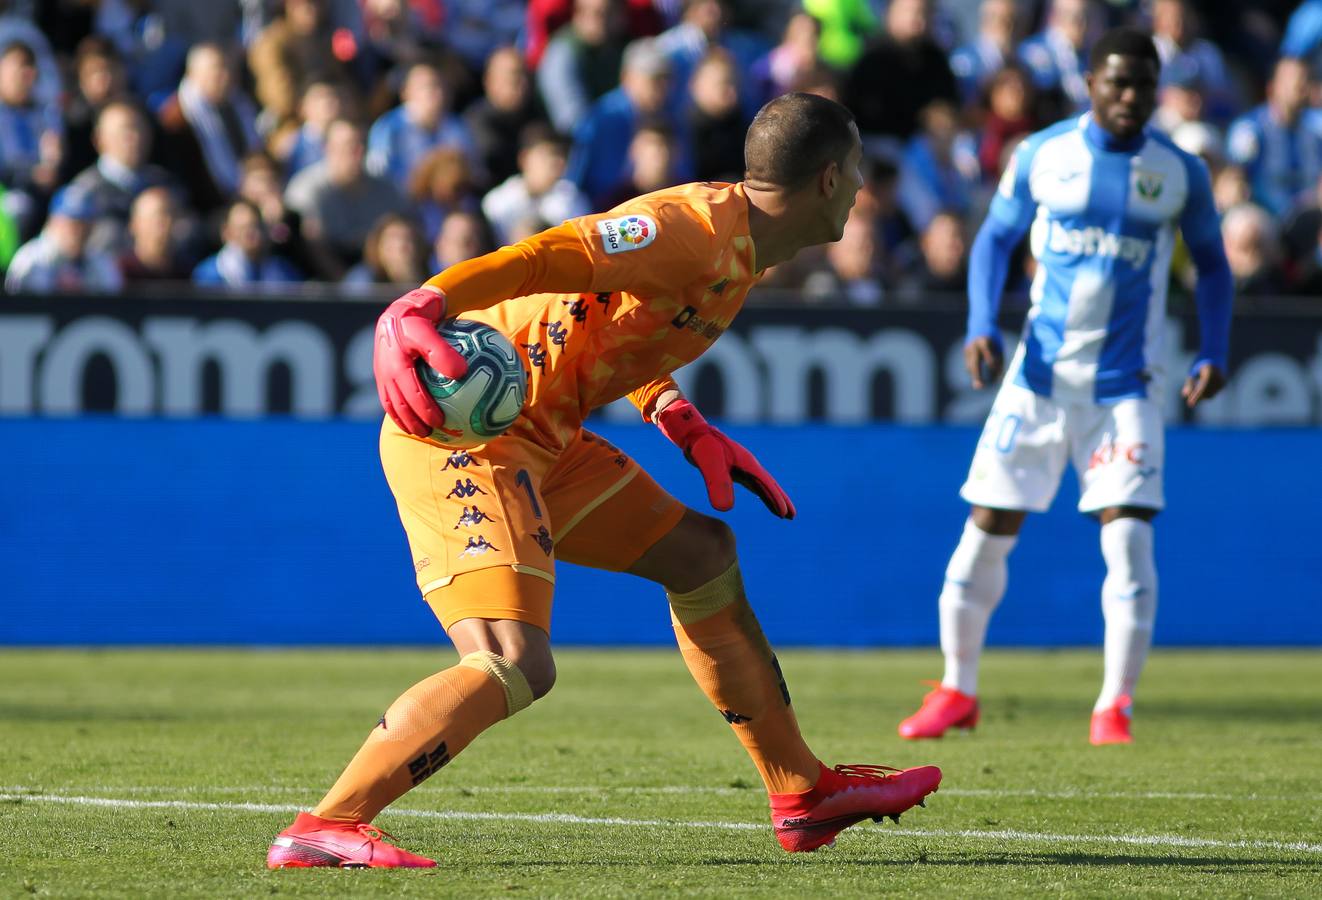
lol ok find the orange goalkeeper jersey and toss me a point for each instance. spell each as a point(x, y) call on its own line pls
point(609, 305)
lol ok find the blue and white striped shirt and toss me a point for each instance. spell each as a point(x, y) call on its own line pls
point(1103, 215)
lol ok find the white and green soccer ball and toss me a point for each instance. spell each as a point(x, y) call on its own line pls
point(487, 400)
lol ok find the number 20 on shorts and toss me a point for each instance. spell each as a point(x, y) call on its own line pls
point(1001, 432)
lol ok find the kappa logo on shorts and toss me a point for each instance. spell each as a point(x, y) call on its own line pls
point(458, 460)
point(472, 517)
point(626, 233)
point(543, 539)
point(464, 487)
point(477, 546)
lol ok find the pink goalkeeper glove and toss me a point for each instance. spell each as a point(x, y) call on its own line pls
point(720, 460)
point(406, 332)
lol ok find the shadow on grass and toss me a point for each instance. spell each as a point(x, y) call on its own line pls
point(1211, 864)
point(23, 713)
point(1269, 709)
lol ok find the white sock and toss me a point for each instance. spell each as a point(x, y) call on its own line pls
point(1129, 604)
point(975, 583)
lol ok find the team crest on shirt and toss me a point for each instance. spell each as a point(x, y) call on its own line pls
point(1149, 185)
point(626, 233)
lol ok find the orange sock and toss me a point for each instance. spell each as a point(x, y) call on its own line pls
point(423, 730)
point(732, 662)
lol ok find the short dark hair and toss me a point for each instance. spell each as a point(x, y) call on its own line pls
point(538, 132)
point(95, 46)
point(794, 136)
point(258, 161)
point(656, 125)
point(1124, 42)
point(21, 47)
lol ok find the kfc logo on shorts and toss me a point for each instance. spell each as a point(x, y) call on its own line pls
point(1112, 451)
point(626, 233)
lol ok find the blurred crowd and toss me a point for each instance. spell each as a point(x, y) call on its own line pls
point(365, 143)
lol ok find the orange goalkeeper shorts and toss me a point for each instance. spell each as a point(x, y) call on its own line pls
point(514, 503)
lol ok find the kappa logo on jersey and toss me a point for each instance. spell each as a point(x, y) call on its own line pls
point(476, 546)
point(472, 517)
point(578, 309)
point(557, 332)
point(1095, 241)
point(458, 460)
point(536, 354)
point(626, 233)
point(464, 488)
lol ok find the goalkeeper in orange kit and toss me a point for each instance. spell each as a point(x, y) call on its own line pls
point(600, 307)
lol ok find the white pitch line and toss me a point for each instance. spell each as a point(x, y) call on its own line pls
point(1142, 840)
point(591, 789)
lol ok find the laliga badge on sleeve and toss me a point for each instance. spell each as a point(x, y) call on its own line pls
point(626, 233)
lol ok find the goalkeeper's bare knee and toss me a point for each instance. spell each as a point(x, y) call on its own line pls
point(696, 551)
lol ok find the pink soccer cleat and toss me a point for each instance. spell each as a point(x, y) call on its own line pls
point(1111, 725)
point(943, 708)
point(312, 842)
point(844, 796)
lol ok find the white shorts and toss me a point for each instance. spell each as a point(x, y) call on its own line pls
point(1118, 452)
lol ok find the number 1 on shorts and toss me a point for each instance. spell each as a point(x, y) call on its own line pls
point(525, 482)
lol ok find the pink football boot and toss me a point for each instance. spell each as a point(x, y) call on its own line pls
point(1111, 725)
point(943, 708)
point(312, 841)
point(844, 796)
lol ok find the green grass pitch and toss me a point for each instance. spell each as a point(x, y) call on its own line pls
point(166, 773)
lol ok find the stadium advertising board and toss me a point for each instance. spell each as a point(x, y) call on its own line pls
point(252, 358)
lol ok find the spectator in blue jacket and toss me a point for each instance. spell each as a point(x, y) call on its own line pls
point(1057, 56)
point(245, 259)
point(703, 28)
point(599, 160)
point(1188, 58)
point(1276, 144)
point(58, 259)
point(30, 136)
point(939, 170)
point(322, 103)
point(976, 62)
point(420, 124)
point(581, 63)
